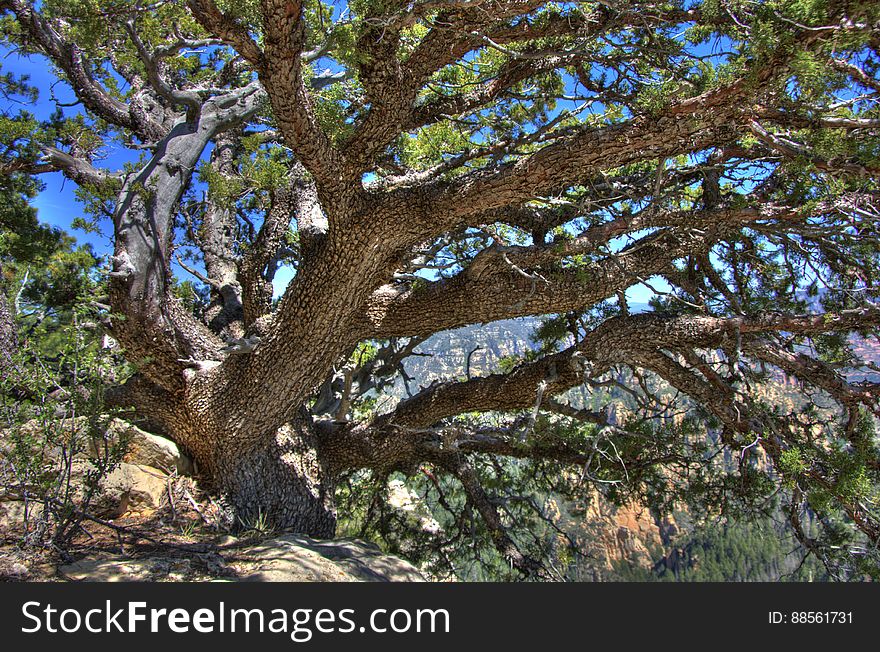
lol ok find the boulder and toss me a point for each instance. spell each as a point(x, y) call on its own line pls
point(142, 447)
point(296, 558)
point(131, 487)
point(149, 449)
point(286, 558)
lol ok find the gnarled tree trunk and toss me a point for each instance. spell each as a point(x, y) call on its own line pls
point(7, 330)
point(284, 483)
point(281, 480)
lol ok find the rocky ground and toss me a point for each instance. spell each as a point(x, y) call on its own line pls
point(275, 558)
point(151, 522)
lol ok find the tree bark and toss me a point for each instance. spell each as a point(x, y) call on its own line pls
point(284, 484)
point(8, 340)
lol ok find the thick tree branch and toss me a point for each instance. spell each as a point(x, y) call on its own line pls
point(226, 29)
point(636, 339)
point(496, 287)
point(70, 58)
point(281, 73)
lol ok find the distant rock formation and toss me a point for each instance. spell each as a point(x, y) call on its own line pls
point(611, 536)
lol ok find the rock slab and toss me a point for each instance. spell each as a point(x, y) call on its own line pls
point(286, 558)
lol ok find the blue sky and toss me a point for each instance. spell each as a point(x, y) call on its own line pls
point(56, 204)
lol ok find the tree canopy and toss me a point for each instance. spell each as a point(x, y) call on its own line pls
point(419, 166)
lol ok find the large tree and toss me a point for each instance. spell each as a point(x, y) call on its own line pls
point(429, 164)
